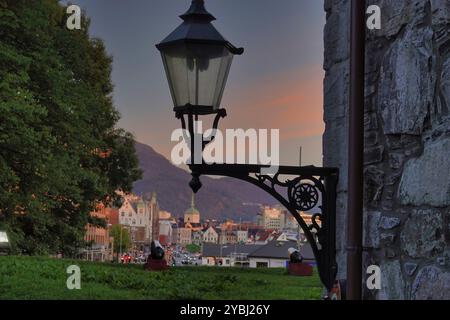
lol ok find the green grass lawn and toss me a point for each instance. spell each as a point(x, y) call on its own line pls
point(44, 278)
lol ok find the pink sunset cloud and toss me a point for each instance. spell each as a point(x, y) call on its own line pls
point(291, 102)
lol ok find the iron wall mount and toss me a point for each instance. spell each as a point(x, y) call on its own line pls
point(298, 189)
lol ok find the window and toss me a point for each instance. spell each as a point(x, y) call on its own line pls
point(261, 264)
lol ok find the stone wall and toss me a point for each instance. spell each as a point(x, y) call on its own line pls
point(407, 142)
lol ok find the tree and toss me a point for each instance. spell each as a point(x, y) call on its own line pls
point(193, 248)
point(61, 153)
point(122, 240)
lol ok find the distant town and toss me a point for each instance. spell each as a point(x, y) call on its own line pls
point(190, 240)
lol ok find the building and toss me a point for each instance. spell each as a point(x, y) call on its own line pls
point(133, 213)
point(271, 255)
point(194, 226)
point(242, 236)
point(99, 242)
point(165, 228)
point(192, 215)
point(181, 235)
point(164, 215)
point(262, 237)
point(141, 217)
point(197, 237)
point(271, 218)
point(275, 254)
point(227, 255)
point(290, 223)
point(228, 225)
point(227, 237)
point(153, 213)
point(138, 237)
point(210, 235)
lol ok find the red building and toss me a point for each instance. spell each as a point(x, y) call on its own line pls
point(100, 243)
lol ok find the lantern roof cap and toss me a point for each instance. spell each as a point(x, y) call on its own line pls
point(197, 28)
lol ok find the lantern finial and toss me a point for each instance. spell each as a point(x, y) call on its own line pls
point(198, 11)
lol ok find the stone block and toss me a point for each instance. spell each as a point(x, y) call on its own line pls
point(392, 283)
point(336, 34)
point(440, 12)
point(370, 121)
point(370, 138)
point(410, 268)
point(396, 160)
point(373, 155)
point(336, 92)
point(371, 230)
point(389, 223)
point(425, 180)
point(373, 184)
point(335, 149)
point(431, 283)
point(423, 234)
point(444, 103)
point(406, 87)
point(387, 238)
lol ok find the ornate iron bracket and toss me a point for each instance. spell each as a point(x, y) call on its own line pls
point(310, 189)
point(298, 189)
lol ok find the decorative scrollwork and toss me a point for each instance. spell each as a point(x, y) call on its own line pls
point(314, 223)
point(304, 196)
point(296, 188)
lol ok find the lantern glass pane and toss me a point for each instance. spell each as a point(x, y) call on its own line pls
point(197, 73)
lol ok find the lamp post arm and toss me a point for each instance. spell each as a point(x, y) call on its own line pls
point(300, 193)
point(303, 190)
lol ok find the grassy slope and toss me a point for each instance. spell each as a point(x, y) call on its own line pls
point(44, 278)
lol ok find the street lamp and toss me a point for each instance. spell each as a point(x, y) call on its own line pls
point(197, 60)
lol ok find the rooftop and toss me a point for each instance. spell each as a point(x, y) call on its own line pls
point(279, 250)
point(273, 249)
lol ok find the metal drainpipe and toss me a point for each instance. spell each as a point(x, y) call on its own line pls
point(356, 152)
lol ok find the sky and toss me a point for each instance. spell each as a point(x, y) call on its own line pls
point(277, 83)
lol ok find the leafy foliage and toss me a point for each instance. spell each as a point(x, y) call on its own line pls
point(60, 150)
point(122, 239)
point(193, 248)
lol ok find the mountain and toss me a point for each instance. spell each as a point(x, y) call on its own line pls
point(217, 199)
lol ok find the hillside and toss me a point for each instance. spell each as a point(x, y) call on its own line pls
point(218, 198)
